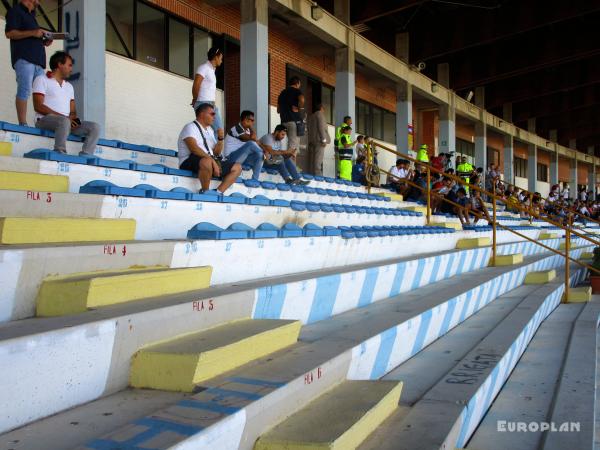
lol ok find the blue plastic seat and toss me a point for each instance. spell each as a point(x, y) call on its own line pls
point(342, 194)
point(297, 206)
point(279, 202)
point(268, 185)
point(307, 176)
point(162, 151)
point(102, 187)
point(50, 155)
point(326, 207)
point(319, 178)
point(352, 194)
point(312, 207)
point(252, 183)
point(259, 200)
point(290, 230)
point(297, 189)
point(22, 129)
point(152, 168)
point(283, 187)
point(109, 143)
point(206, 230)
point(101, 162)
point(312, 230)
point(309, 190)
point(265, 231)
point(236, 198)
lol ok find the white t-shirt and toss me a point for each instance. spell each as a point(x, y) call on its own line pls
point(399, 173)
point(56, 97)
point(208, 88)
point(269, 140)
point(232, 141)
point(191, 130)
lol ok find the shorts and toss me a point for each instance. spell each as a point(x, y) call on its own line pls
point(26, 73)
point(193, 162)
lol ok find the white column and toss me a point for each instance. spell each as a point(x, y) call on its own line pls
point(480, 132)
point(509, 147)
point(254, 61)
point(404, 117)
point(554, 159)
point(573, 169)
point(592, 171)
point(345, 97)
point(85, 21)
point(447, 129)
point(531, 159)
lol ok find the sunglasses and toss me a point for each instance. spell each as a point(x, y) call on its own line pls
point(213, 113)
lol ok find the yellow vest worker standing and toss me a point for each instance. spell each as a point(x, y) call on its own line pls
point(464, 171)
point(422, 154)
point(345, 154)
point(337, 142)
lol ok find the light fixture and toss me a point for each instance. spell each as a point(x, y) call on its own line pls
point(434, 87)
point(316, 12)
point(470, 96)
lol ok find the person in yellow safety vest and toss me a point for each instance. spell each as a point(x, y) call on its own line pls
point(345, 154)
point(422, 154)
point(464, 170)
point(336, 142)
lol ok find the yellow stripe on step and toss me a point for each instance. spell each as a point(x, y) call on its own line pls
point(508, 260)
point(473, 243)
point(579, 295)
point(5, 148)
point(183, 362)
point(541, 277)
point(23, 181)
point(340, 419)
point(79, 292)
point(31, 230)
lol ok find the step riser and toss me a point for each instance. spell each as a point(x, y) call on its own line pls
point(270, 407)
point(176, 217)
point(27, 268)
point(396, 345)
point(482, 400)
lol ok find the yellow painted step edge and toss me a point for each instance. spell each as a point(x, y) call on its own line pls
point(181, 372)
point(22, 181)
point(453, 225)
point(508, 260)
point(586, 255)
point(579, 295)
point(33, 230)
point(541, 277)
point(548, 236)
point(468, 243)
point(370, 421)
point(352, 437)
point(5, 148)
point(71, 295)
point(391, 196)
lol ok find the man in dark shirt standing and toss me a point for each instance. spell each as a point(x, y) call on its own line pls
point(27, 52)
point(290, 106)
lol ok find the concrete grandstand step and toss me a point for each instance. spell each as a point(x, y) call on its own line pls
point(528, 393)
point(183, 362)
point(340, 419)
point(37, 230)
point(76, 293)
point(358, 344)
point(33, 182)
point(448, 413)
point(23, 269)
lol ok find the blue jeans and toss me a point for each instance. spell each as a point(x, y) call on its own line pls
point(287, 169)
point(249, 153)
point(218, 123)
point(26, 73)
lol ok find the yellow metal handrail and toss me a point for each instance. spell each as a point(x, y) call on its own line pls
point(532, 213)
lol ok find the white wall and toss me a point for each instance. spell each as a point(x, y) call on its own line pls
point(543, 188)
point(521, 183)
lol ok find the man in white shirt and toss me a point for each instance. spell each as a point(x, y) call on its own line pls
point(241, 145)
point(280, 159)
point(204, 89)
point(399, 174)
point(54, 104)
point(198, 148)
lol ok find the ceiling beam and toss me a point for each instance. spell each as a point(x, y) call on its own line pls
point(514, 18)
point(372, 10)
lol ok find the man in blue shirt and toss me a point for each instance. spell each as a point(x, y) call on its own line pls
point(28, 55)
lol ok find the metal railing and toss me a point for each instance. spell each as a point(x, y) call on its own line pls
point(428, 192)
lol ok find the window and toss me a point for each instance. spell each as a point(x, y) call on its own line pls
point(179, 48)
point(119, 27)
point(139, 31)
point(150, 36)
point(520, 167)
point(465, 148)
point(493, 156)
point(542, 172)
point(327, 98)
point(375, 122)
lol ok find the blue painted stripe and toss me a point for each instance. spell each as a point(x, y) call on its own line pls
point(106, 444)
point(448, 316)
point(397, 283)
point(257, 382)
point(418, 275)
point(165, 425)
point(422, 333)
point(270, 302)
point(461, 262)
point(324, 299)
point(437, 261)
point(451, 258)
point(368, 287)
point(208, 406)
point(388, 338)
point(221, 394)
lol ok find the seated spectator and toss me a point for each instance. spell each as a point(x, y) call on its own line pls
point(417, 193)
point(277, 158)
point(241, 145)
point(399, 175)
point(441, 190)
point(478, 206)
point(358, 170)
point(54, 104)
point(199, 148)
point(462, 211)
point(360, 146)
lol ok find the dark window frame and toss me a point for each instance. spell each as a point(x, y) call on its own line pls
point(542, 172)
point(367, 129)
point(520, 167)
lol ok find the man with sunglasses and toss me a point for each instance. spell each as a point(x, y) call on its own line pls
point(198, 148)
point(241, 145)
point(279, 159)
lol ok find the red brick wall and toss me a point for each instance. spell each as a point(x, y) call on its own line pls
point(232, 84)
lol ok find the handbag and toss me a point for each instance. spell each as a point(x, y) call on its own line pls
point(218, 160)
point(300, 128)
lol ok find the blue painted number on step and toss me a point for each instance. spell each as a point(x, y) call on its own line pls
point(15, 138)
point(176, 180)
point(228, 247)
point(143, 176)
point(287, 243)
point(164, 204)
point(63, 167)
point(163, 159)
point(107, 172)
point(228, 208)
point(122, 203)
point(134, 155)
point(199, 206)
point(261, 244)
